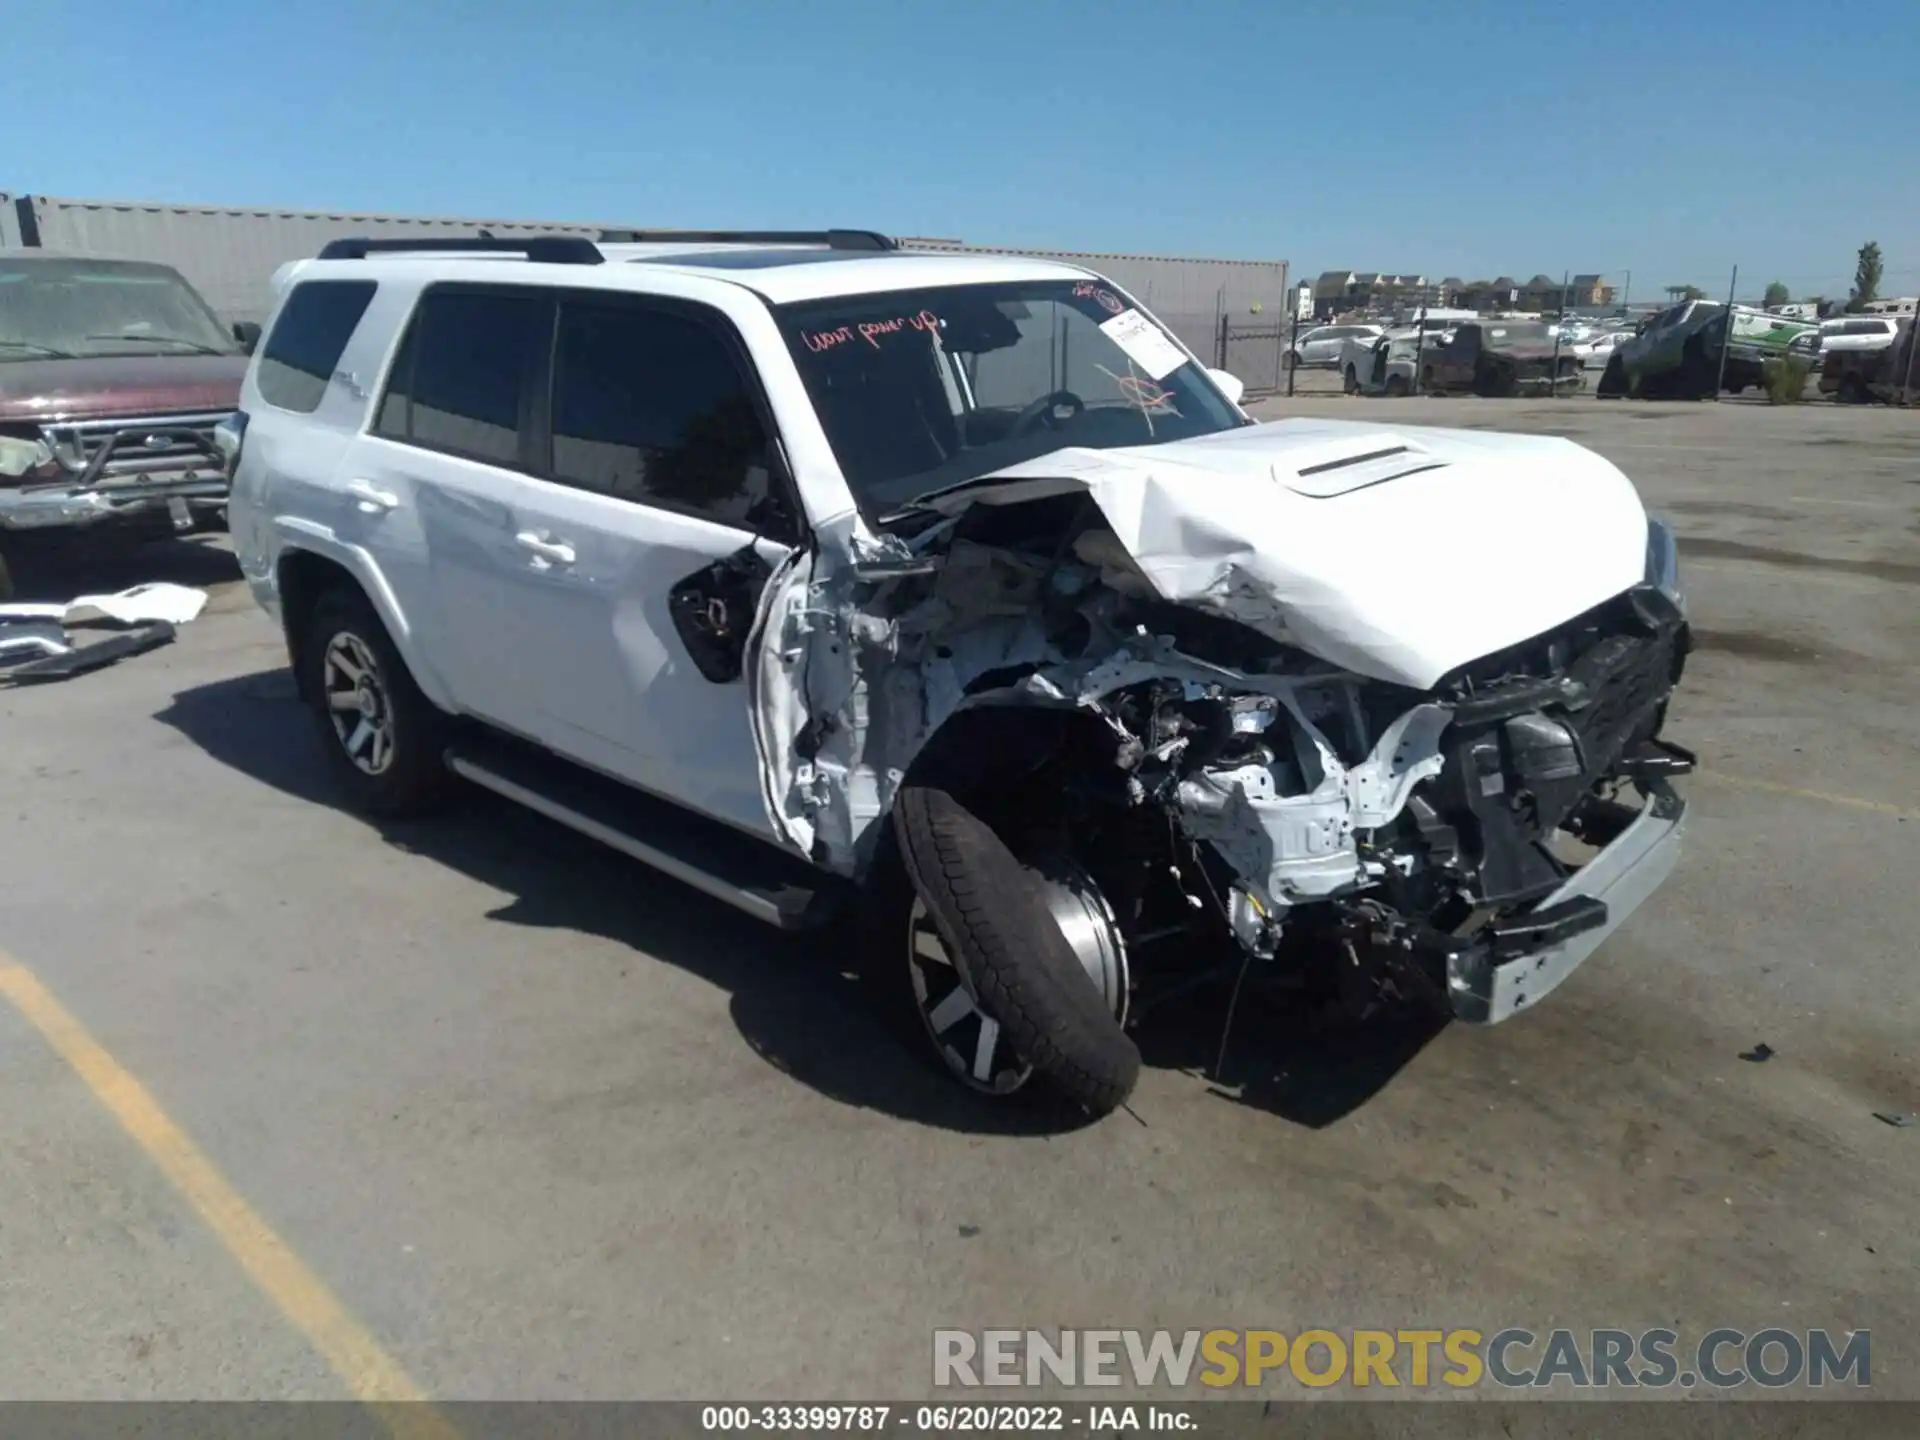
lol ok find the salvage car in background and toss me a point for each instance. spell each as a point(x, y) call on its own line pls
point(956, 589)
point(1384, 364)
point(1677, 354)
point(1499, 357)
point(113, 375)
point(1594, 353)
point(1319, 348)
point(1896, 367)
point(1850, 350)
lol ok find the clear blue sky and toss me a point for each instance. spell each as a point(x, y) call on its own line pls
point(1475, 138)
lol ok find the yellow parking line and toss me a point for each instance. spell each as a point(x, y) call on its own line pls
point(369, 1373)
point(1748, 782)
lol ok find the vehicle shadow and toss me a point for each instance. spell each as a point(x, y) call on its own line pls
point(796, 1000)
point(1272, 1050)
point(50, 574)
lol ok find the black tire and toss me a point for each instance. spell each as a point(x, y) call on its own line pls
point(414, 779)
point(1396, 386)
point(1613, 379)
point(1351, 382)
point(992, 917)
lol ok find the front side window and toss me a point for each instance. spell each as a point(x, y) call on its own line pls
point(923, 389)
point(461, 382)
point(651, 405)
point(61, 309)
point(308, 338)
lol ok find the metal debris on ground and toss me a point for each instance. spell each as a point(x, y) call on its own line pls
point(37, 643)
point(1759, 1053)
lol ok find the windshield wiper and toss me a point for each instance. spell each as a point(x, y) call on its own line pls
point(193, 345)
point(46, 350)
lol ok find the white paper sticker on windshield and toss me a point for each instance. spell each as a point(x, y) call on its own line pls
point(1145, 344)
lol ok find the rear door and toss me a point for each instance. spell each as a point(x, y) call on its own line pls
point(436, 478)
point(645, 544)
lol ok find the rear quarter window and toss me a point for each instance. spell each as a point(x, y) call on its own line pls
point(307, 341)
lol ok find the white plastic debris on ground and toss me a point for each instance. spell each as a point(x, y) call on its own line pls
point(140, 605)
point(35, 645)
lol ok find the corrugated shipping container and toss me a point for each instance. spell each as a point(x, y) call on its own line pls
point(230, 253)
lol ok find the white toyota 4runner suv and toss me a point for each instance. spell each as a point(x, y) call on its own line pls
point(807, 569)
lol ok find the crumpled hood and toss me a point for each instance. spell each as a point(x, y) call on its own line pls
point(1397, 552)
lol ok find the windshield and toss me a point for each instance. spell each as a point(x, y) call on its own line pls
point(923, 389)
point(71, 308)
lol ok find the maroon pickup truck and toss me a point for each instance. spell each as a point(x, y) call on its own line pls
point(113, 374)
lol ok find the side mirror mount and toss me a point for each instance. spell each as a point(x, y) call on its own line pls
point(247, 333)
point(1230, 385)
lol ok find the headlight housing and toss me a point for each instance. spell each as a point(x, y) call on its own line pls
point(1663, 561)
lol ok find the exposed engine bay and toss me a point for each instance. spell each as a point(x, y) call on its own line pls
point(1212, 775)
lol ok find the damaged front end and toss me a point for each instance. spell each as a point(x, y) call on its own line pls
point(1464, 843)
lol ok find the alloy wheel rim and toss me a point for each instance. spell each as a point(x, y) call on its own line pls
point(358, 704)
point(966, 1038)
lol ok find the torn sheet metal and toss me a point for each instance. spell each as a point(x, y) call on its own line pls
point(139, 605)
point(848, 697)
point(1395, 552)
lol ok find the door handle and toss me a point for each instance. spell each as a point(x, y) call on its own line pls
point(370, 498)
point(553, 552)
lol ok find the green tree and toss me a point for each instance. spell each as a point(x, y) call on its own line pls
point(1777, 294)
point(1866, 275)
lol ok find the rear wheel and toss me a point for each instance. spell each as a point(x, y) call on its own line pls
point(384, 739)
point(1397, 385)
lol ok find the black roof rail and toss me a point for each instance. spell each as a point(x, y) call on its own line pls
point(832, 239)
point(540, 249)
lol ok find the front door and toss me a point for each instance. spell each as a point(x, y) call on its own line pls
point(645, 544)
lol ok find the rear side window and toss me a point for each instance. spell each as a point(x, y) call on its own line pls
point(461, 381)
point(308, 340)
point(651, 405)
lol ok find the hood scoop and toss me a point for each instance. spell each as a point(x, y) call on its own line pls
point(1373, 466)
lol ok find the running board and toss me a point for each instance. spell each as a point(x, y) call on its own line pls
point(750, 875)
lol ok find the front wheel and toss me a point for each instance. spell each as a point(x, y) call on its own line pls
point(1351, 384)
point(384, 740)
point(1014, 970)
